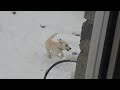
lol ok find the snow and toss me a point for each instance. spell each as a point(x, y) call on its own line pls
point(22, 52)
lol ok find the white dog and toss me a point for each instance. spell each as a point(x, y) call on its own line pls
point(55, 48)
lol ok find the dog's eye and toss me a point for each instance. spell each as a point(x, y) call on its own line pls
point(66, 45)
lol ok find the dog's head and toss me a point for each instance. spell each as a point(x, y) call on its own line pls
point(64, 45)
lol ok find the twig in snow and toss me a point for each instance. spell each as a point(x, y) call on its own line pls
point(76, 34)
point(42, 26)
point(13, 12)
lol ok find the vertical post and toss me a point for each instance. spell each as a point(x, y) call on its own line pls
point(86, 33)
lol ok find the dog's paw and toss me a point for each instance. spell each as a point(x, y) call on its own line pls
point(62, 55)
point(49, 57)
point(59, 56)
point(64, 58)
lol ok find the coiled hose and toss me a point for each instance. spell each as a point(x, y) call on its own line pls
point(55, 65)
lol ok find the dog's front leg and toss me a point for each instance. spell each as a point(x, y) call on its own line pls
point(59, 56)
point(50, 56)
point(62, 55)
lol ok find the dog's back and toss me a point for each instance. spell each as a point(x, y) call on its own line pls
point(49, 42)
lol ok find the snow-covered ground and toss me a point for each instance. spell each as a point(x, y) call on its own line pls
point(22, 52)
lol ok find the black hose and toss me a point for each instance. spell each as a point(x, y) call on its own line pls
point(55, 65)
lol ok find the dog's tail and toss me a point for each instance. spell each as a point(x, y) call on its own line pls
point(51, 37)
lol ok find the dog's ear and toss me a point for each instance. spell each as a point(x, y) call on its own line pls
point(60, 40)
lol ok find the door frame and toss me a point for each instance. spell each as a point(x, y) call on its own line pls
point(102, 45)
point(97, 44)
point(114, 54)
